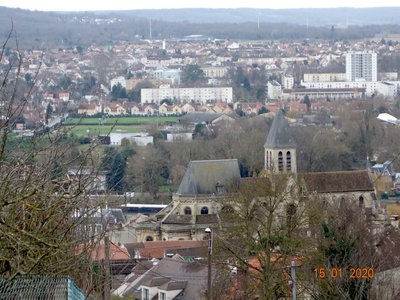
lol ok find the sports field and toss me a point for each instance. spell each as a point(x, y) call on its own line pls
point(103, 126)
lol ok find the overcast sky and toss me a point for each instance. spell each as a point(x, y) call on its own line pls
point(85, 5)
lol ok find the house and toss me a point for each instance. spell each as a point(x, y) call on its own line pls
point(222, 108)
point(165, 109)
point(187, 108)
point(205, 118)
point(177, 109)
point(150, 109)
point(298, 106)
point(64, 96)
point(89, 109)
point(274, 106)
point(169, 278)
point(135, 109)
point(249, 108)
point(94, 181)
point(114, 109)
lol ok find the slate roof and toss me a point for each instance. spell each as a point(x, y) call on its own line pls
point(199, 117)
point(207, 219)
point(174, 285)
point(190, 276)
point(179, 219)
point(279, 135)
point(202, 176)
point(342, 181)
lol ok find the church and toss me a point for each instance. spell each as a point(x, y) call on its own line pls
point(207, 183)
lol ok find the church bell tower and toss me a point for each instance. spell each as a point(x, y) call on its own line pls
point(280, 148)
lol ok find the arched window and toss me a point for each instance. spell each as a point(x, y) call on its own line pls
point(288, 161)
point(188, 211)
point(280, 161)
point(361, 201)
point(204, 210)
point(149, 238)
point(270, 161)
point(267, 160)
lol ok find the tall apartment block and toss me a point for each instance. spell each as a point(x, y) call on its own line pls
point(361, 66)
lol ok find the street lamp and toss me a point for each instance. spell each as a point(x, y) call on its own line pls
point(209, 232)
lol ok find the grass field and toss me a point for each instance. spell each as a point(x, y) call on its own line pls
point(103, 126)
point(119, 121)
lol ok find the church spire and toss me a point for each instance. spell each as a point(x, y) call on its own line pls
point(279, 136)
point(280, 148)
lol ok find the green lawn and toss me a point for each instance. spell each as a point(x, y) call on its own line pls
point(85, 130)
point(119, 121)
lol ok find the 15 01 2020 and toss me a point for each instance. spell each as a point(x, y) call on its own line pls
point(352, 273)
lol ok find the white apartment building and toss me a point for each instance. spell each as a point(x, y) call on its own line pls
point(288, 81)
point(274, 90)
point(181, 95)
point(215, 72)
point(387, 89)
point(369, 86)
point(361, 66)
point(324, 77)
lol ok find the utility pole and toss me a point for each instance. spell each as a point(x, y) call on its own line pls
point(293, 274)
point(107, 292)
point(209, 232)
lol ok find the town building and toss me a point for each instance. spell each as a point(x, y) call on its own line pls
point(201, 95)
point(274, 90)
point(361, 66)
point(215, 72)
point(288, 81)
point(324, 77)
point(323, 93)
point(137, 138)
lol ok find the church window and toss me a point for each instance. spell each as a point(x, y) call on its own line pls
point(270, 160)
point(149, 238)
point(267, 160)
point(280, 161)
point(204, 210)
point(361, 201)
point(188, 211)
point(288, 161)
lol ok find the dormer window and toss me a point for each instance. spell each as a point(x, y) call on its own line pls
point(162, 296)
point(220, 188)
point(145, 294)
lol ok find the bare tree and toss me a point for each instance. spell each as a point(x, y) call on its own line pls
point(262, 232)
point(45, 215)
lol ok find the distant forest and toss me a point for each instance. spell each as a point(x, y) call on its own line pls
point(41, 30)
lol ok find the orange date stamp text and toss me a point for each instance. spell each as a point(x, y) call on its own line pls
point(338, 273)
